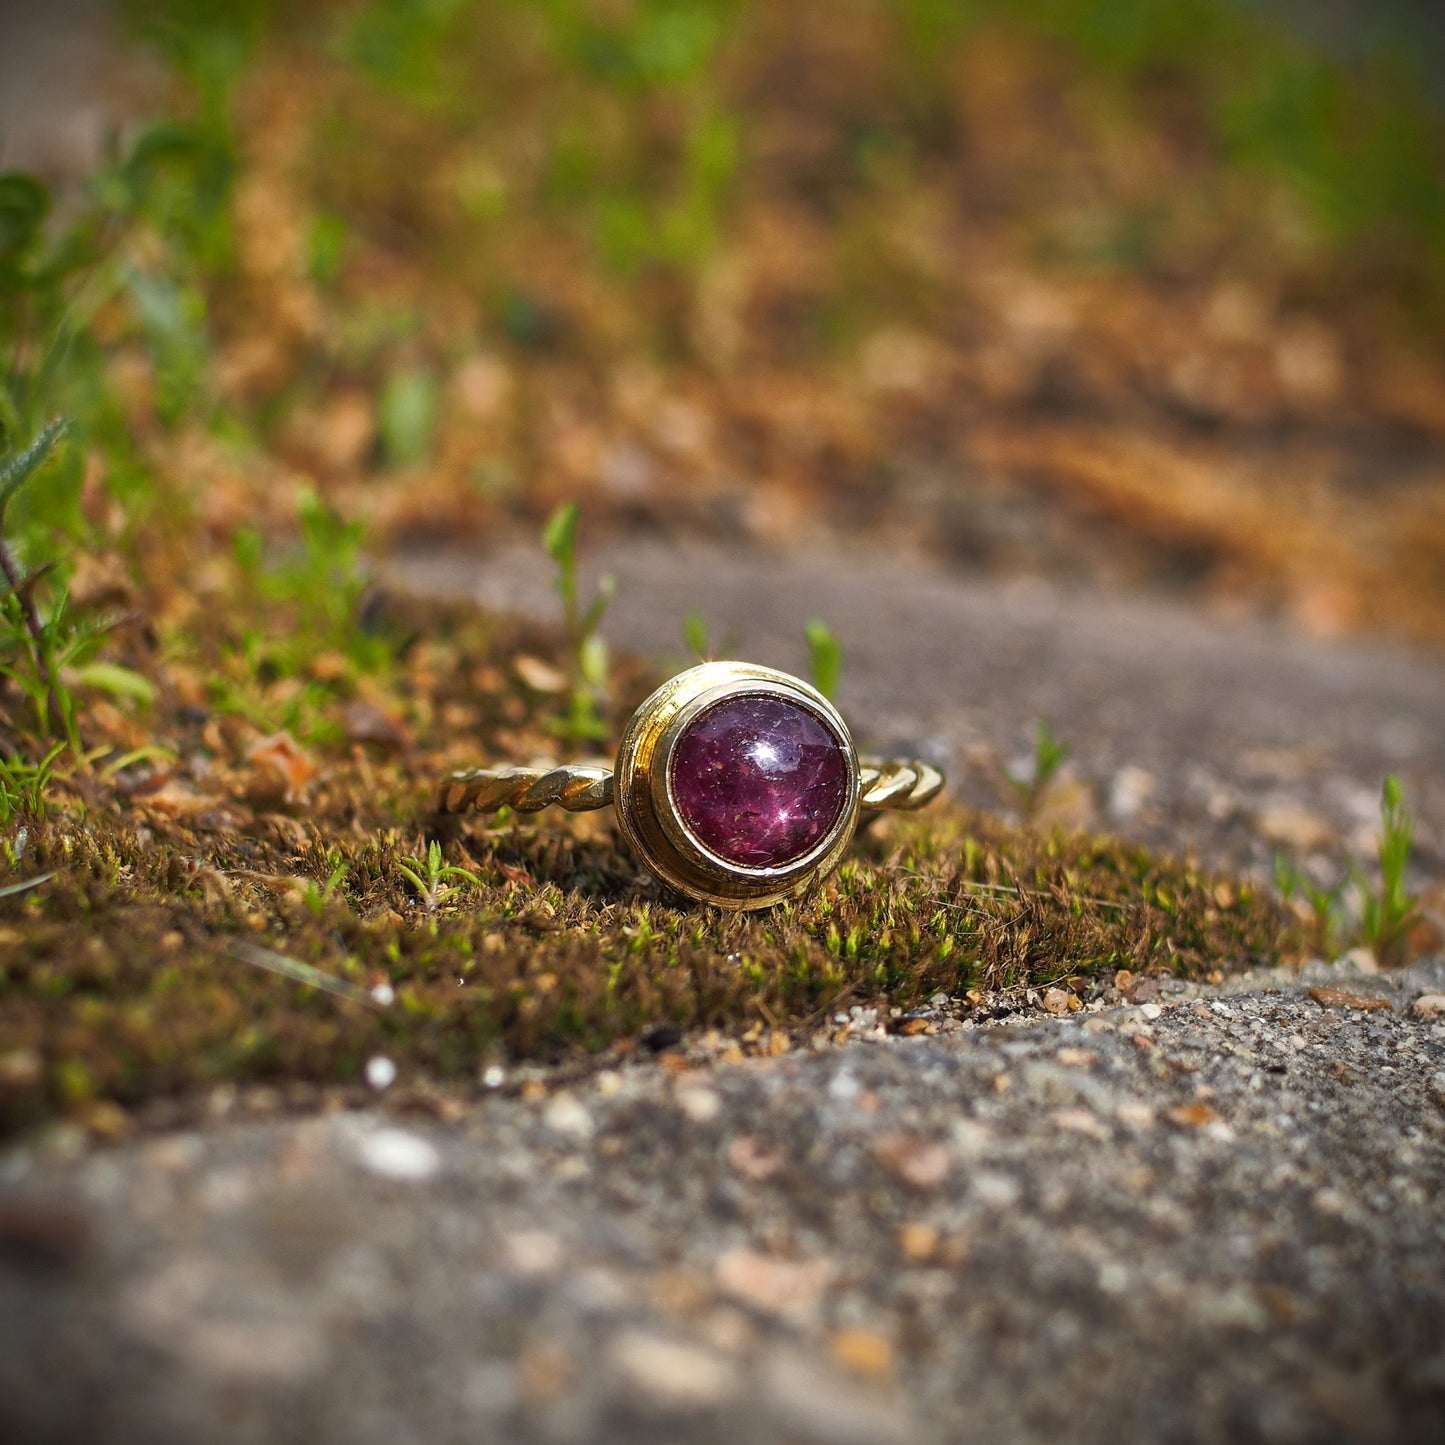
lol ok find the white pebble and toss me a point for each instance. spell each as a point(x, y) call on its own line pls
point(534, 1252)
point(567, 1115)
point(1362, 960)
point(494, 1076)
point(1151, 1011)
point(993, 1189)
point(380, 1072)
point(398, 1154)
point(1131, 789)
point(700, 1105)
point(1114, 1276)
point(670, 1374)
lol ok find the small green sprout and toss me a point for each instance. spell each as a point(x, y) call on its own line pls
point(430, 877)
point(825, 657)
point(407, 417)
point(1030, 787)
point(1388, 913)
point(1326, 905)
point(23, 785)
point(113, 766)
point(694, 636)
point(325, 579)
point(316, 894)
point(34, 649)
point(590, 664)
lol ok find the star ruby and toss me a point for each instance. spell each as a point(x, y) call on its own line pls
point(759, 780)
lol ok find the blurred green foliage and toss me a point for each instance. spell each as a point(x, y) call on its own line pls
point(323, 579)
point(639, 127)
point(408, 416)
point(635, 128)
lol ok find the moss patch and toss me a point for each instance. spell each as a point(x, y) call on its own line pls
point(166, 950)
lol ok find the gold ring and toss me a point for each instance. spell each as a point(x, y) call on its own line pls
point(736, 784)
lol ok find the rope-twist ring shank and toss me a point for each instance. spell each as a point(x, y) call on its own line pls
point(897, 783)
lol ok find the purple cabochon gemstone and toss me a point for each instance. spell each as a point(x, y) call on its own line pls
point(759, 780)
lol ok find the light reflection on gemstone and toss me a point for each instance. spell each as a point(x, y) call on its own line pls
point(759, 780)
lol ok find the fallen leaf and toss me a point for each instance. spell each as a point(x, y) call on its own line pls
point(1340, 998)
point(538, 675)
point(177, 800)
point(1192, 1116)
point(282, 770)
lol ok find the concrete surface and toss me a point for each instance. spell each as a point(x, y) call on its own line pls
point(1205, 1218)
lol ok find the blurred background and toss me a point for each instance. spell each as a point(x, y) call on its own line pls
point(1132, 294)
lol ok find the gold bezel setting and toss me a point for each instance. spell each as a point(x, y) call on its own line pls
point(647, 811)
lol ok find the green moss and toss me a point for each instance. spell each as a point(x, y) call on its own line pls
point(135, 971)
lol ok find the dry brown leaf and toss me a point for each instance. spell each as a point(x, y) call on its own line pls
point(1342, 998)
point(282, 771)
point(1192, 1116)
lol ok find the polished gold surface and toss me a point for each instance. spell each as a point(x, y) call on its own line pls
point(898, 783)
point(649, 819)
point(639, 786)
point(578, 787)
point(901, 784)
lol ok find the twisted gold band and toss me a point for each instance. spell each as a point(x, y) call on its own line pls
point(578, 787)
point(897, 783)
